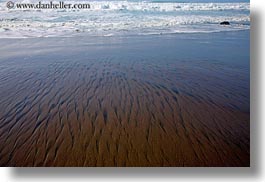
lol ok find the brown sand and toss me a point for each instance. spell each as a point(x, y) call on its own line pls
point(104, 114)
point(125, 102)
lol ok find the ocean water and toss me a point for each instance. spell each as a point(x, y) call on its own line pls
point(119, 18)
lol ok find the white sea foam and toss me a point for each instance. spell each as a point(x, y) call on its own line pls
point(110, 18)
point(149, 6)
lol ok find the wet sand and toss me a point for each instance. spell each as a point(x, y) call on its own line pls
point(125, 101)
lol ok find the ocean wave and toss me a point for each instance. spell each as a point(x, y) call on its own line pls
point(149, 6)
point(124, 18)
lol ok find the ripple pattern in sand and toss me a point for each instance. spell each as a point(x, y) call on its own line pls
point(111, 113)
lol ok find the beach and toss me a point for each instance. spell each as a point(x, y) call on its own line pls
point(153, 100)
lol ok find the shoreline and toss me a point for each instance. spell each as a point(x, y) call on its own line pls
point(127, 36)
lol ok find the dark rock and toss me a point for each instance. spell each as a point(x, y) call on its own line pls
point(225, 23)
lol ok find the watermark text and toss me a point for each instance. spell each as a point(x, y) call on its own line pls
point(47, 5)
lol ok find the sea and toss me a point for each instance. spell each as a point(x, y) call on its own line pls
point(124, 18)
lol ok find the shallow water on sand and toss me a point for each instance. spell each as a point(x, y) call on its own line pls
point(179, 100)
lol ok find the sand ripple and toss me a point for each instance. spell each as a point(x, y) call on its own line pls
point(111, 113)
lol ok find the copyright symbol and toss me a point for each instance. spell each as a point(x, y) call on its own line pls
point(10, 5)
